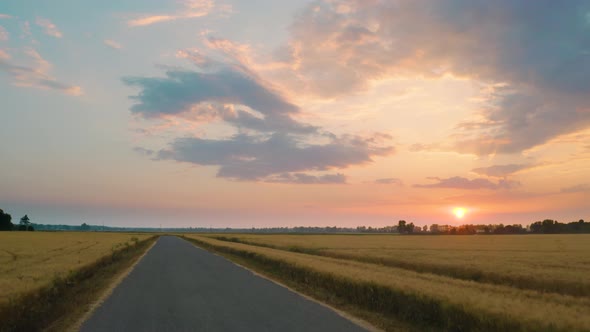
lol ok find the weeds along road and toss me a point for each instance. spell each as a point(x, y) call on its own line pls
point(179, 287)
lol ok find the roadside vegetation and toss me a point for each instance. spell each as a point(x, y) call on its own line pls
point(48, 280)
point(426, 299)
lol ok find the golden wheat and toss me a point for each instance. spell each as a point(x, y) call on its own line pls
point(525, 308)
point(559, 263)
point(29, 260)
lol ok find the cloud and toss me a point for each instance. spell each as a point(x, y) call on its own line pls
point(516, 121)
point(584, 187)
point(149, 20)
point(248, 157)
point(4, 16)
point(48, 27)
point(112, 44)
point(227, 92)
point(302, 178)
point(393, 181)
point(457, 182)
point(501, 170)
point(144, 151)
point(420, 147)
point(543, 83)
point(26, 30)
point(35, 74)
point(192, 9)
point(275, 148)
point(182, 88)
point(3, 34)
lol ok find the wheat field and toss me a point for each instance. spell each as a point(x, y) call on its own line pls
point(559, 262)
point(29, 260)
point(408, 276)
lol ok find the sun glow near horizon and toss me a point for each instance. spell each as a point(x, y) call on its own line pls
point(459, 212)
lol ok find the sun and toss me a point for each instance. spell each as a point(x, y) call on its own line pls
point(459, 212)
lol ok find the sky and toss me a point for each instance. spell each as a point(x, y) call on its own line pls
point(264, 113)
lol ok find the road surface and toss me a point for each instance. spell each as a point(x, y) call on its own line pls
point(179, 287)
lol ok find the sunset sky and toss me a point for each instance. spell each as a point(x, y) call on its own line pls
point(287, 113)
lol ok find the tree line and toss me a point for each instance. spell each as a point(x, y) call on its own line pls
point(547, 226)
point(6, 224)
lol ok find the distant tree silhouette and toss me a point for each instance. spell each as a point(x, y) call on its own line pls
point(404, 227)
point(25, 224)
point(84, 227)
point(549, 226)
point(401, 226)
point(434, 228)
point(5, 221)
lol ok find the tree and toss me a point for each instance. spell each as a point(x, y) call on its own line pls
point(536, 227)
point(25, 224)
point(434, 228)
point(401, 226)
point(84, 227)
point(5, 221)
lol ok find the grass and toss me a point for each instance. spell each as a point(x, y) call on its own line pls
point(548, 263)
point(57, 275)
point(424, 300)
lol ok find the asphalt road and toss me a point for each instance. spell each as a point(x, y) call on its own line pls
point(179, 287)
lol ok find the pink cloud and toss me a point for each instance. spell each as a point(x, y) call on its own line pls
point(4, 55)
point(148, 20)
point(35, 74)
point(50, 29)
point(3, 34)
point(112, 44)
point(192, 9)
point(338, 47)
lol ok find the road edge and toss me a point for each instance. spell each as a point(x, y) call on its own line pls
point(108, 291)
point(358, 321)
